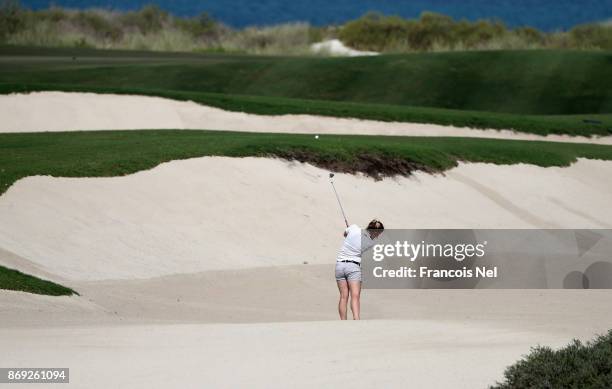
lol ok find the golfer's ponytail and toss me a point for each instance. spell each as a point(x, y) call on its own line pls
point(376, 225)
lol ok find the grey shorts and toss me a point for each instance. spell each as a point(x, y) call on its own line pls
point(348, 271)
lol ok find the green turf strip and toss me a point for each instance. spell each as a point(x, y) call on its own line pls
point(15, 280)
point(574, 125)
point(113, 153)
point(563, 92)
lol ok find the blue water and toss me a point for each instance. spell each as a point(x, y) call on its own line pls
point(544, 14)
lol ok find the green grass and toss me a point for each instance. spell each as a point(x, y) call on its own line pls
point(113, 153)
point(522, 82)
point(15, 280)
point(540, 92)
point(519, 82)
point(537, 124)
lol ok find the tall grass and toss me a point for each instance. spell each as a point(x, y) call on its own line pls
point(436, 32)
point(289, 38)
point(152, 28)
point(149, 28)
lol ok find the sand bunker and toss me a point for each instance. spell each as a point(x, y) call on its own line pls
point(199, 263)
point(60, 111)
point(270, 355)
point(221, 265)
point(217, 213)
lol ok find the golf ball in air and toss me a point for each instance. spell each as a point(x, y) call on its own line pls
point(316, 136)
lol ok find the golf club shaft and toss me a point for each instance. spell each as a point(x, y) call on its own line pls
point(339, 203)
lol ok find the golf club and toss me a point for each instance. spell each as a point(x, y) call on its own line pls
point(331, 181)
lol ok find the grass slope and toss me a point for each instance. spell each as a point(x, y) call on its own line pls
point(532, 91)
point(15, 280)
point(525, 82)
point(113, 153)
point(584, 125)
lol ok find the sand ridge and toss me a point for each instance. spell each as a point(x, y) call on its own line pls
point(63, 111)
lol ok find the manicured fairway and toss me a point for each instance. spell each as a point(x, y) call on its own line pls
point(532, 91)
point(113, 153)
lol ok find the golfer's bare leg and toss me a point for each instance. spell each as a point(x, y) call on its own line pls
point(344, 295)
point(355, 290)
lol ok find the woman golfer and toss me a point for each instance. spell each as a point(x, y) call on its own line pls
point(348, 264)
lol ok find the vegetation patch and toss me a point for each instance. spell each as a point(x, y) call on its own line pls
point(115, 153)
point(152, 28)
point(437, 32)
point(573, 125)
point(578, 365)
point(15, 280)
point(545, 91)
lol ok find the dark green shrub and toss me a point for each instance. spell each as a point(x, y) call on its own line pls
point(97, 24)
point(486, 31)
point(201, 26)
point(592, 36)
point(148, 19)
point(375, 31)
point(315, 35)
point(151, 28)
point(12, 17)
point(53, 14)
point(530, 35)
point(82, 43)
point(578, 365)
point(429, 29)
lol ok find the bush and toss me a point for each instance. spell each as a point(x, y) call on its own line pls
point(375, 32)
point(530, 35)
point(202, 26)
point(98, 25)
point(41, 33)
point(319, 34)
point(289, 38)
point(148, 19)
point(436, 32)
point(430, 28)
point(164, 40)
point(431, 31)
point(53, 14)
point(577, 365)
point(479, 34)
point(591, 36)
point(151, 28)
point(12, 17)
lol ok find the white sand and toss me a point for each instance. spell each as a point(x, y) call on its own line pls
point(138, 334)
point(181, 331)
point(336, 47)
point(191, 274)
point(374, 354)
point(60, 111)
point(225, 213)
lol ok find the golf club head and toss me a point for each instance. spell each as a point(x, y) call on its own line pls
point(331, 175)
